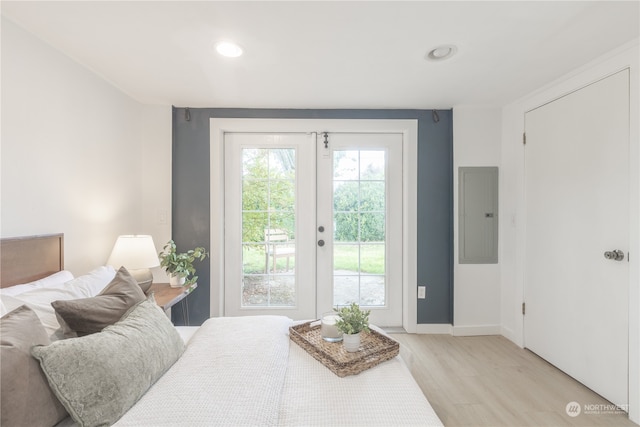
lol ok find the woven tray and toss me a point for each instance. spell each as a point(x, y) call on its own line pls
point(375, 348)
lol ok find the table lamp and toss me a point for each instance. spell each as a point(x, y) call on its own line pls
point(136, 253)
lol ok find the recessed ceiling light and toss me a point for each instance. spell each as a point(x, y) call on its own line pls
point(228, 49)
point(441, 53)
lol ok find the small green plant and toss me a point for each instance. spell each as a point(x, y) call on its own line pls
point(181, 263)
point(352, 320)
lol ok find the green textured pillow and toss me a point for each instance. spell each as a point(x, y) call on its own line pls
point(84, 316)
point(99, 377)
point(25, 396)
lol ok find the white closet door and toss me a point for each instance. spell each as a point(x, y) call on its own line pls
point(577, 204)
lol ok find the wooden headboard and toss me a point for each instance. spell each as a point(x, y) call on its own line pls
point(29, 258)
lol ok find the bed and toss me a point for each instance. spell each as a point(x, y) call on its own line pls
point(143, 371)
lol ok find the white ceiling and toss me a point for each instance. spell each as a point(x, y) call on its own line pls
point(328, 54)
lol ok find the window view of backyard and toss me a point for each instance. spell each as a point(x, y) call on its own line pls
point(359, 227)
point(268, 227)
point(269, 218)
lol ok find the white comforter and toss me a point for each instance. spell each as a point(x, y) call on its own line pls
point(246, 372)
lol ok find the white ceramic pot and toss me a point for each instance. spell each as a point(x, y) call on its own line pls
point(351, 342)
point(176, 281)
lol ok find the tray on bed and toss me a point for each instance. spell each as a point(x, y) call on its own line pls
point(375, 348)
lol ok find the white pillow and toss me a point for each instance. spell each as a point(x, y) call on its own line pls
point(43, 310)
point(90, 285)
point(10, 303)
point(40, 299)
point(52, 281)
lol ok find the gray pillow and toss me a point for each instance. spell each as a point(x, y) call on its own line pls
point(25, 396)
point(86, 316)
point(100, 376)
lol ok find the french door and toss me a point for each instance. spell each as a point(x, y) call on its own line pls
point(269, 248)
point(313, 221)
point(360, 209)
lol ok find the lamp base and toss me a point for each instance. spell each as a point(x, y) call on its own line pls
point(144, 277)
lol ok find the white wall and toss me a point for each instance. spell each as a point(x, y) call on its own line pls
point(512, 202)
point(476, 288)
point(78, 155)
point(156, 178)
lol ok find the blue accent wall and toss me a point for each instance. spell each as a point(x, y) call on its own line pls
point(191, 194)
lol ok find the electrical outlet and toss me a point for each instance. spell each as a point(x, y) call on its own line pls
point(422, 292)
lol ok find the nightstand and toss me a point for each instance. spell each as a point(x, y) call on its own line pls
point(166, 297)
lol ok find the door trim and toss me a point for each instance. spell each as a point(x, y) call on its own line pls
point(409, 129)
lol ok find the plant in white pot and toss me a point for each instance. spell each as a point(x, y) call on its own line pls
point(179, 265)
point(351, 322)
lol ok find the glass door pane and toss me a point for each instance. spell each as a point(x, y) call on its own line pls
point(268, 227)
point(269, 247)
point(359, 206)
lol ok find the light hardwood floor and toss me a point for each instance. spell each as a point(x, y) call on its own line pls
point(489, 381)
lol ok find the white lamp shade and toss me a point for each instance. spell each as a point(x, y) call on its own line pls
point(134, 252)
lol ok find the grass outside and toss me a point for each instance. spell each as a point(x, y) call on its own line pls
point(345, 257)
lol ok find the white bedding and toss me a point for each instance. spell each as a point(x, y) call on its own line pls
point(231, 374)
point(385, 395)
point(246, 372)
point(186, 332)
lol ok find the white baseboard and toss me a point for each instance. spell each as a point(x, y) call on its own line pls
point(433, 328)
point(458, 331)
point(508, 334)
point(470, 331)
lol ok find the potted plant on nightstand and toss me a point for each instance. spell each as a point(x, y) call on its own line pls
point(352, 321)
point(179, 265)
